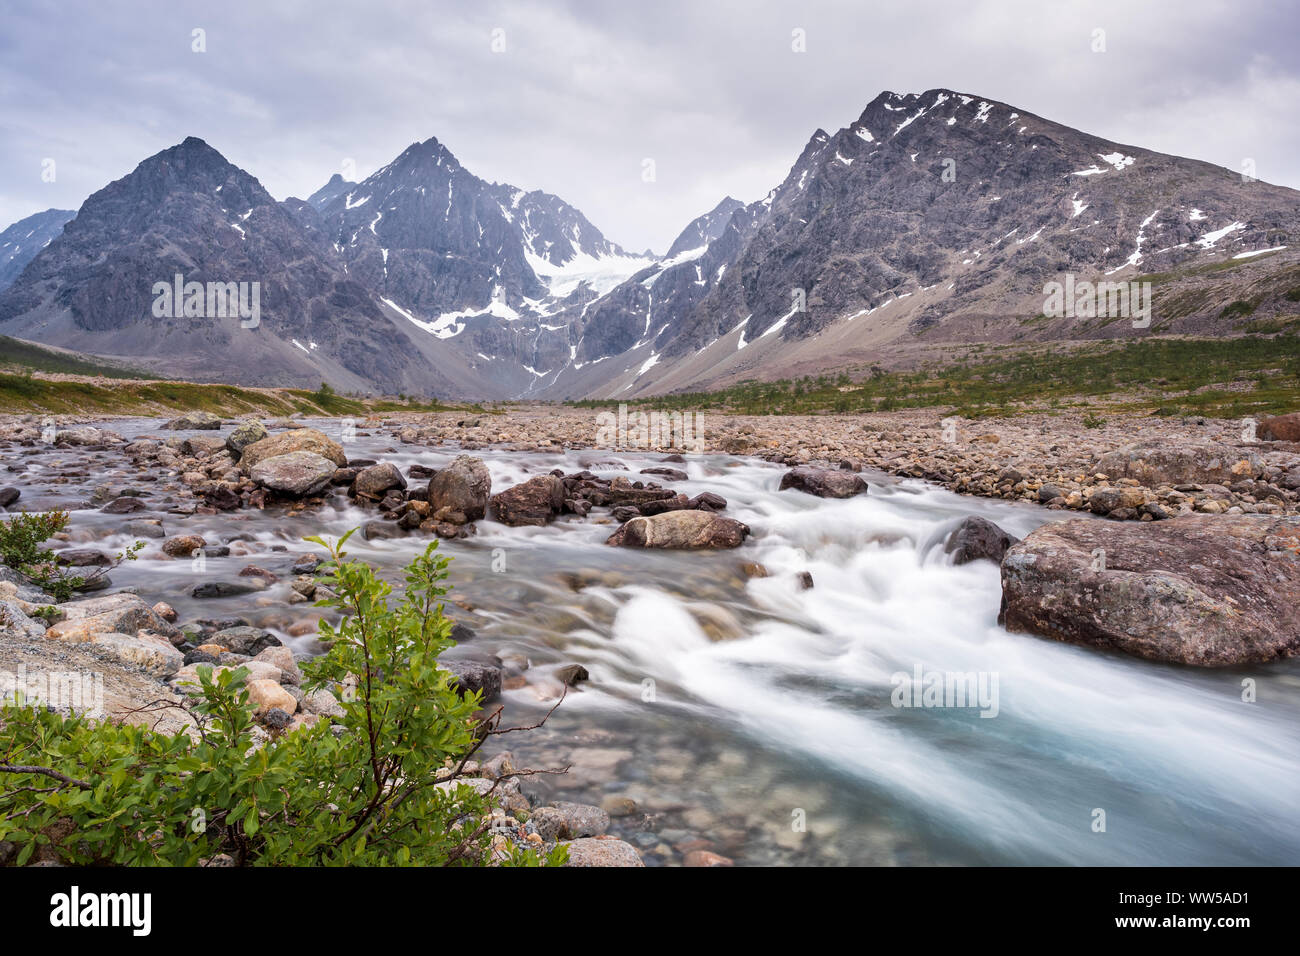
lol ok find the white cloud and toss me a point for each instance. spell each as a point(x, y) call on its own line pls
point(584, 92)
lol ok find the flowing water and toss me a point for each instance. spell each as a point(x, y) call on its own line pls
point(759, 715)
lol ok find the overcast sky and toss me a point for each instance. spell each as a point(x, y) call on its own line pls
point(583, 93)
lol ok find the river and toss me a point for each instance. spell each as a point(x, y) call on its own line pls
point(760, 715)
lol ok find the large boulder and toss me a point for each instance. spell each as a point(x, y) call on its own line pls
point(16, 625)
point(1206, 590)
point(194, 421)
point(1155, 463)
point(1280, 428)
point(475, 676)
point(534, 502)
point(246, 433)
point(300, 439)
point(374, 481)
point(681, 530)
point(462, 487)
point(149, 652)
point(297, 473)
point(601, 851)
point(977, 538)
point(569, 821)
point(84, 435)
point(823, 482)
point(113, 613)
point(202, 446)
point(243, 639)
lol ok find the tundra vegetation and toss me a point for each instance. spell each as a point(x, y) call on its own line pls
point(381, 785)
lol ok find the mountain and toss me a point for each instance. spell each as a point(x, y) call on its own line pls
point(936, 219)
point(20, 243)
point(705, 229)
point(188, 211)
point(336, 187)
point(486, 264)
point(932, 223)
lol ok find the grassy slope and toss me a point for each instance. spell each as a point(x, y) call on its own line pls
point(1234, 377)
point(19, 356)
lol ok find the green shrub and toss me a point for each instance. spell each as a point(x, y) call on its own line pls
point(1093, 421)
point(1234, 309)
point(385, 791)
point(21, 537)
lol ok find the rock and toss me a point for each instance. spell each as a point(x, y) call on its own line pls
point(681, 529)
point(375, 480)
point(1153, 464)
point(1200, 590)
point(672, 474)
point(202, 446)
point(276, 719)
point(1104, 501)
point(83, 558)
point(297, 473)
point(246, 433)
point(8, 496)
point(594, 851)
point(534, 502)
point(16, 625)
point(569, 821)
point(705, 858)
point(1048, 492)
point(166, 612)
point(113, 613)
point(322, 702)
point(150, 528)
point(194, 421)
point(246, 640)
point(187, 678)
point(475, 677)
point(154, 656)
point(84, 435)
point(253, 571)
point(307, 564)
point(224, 589)
point(283, 658)
point(752, 569)
point(267, 694)
point(298, 440)
point(572, 674)
point(823, 482)
point(1280, 428)
point(183, 545)
point(707, 501)
point(123, 506)
point(977, 538)
point(618, 806)
point(464, 487)
point(382, 530)
point(804, 580)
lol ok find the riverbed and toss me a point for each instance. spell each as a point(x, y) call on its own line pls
point(761, 716)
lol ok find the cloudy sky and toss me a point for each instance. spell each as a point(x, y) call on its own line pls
point(713, 92)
